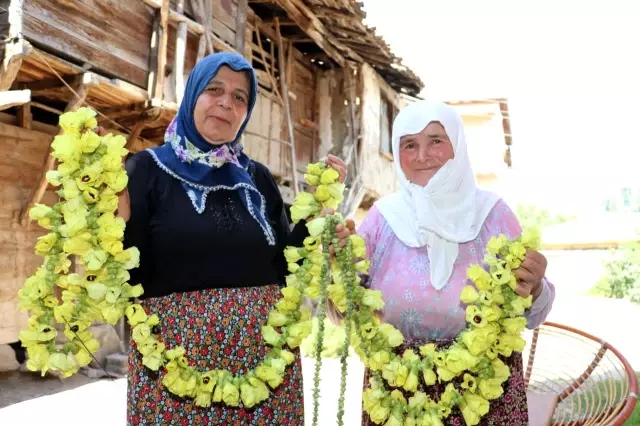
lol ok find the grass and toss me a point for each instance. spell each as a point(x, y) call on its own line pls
point(582, 404)
point(634, 420)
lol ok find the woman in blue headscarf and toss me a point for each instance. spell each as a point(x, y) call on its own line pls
point(211, 227)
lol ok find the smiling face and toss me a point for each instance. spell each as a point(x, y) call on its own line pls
point(423, 154)
point(222, 106)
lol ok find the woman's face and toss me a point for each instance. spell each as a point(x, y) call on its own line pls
point(423, 154)
point(222, 107)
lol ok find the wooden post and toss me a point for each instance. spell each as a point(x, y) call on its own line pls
point(181, 49)
point(352, 113)
point(15, 48)
point(162, 49)
point(287, 107)
point(198, 11)
point(49, 161)
point(241, 23)
point(153, 56)
point(270, 71)
point(248, 42)
point(24, 116)
point(208, 24)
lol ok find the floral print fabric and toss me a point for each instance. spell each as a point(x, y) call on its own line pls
point(189, 152)
point(219, 328)
point(412, 304)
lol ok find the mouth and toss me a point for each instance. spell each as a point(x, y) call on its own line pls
point(221, 119)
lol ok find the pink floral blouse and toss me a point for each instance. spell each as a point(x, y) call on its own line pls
point(402, 274)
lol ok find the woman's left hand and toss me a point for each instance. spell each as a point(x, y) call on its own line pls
point(337, 164)
point(530, 274)
point(342, 233)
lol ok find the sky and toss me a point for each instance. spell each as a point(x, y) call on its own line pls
point(571, 71)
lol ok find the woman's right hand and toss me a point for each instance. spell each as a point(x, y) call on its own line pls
point(124, 206)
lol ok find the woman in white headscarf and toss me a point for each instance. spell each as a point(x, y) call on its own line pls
point(422, 239)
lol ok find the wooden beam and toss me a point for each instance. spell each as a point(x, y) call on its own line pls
point(162, 49)
point(332, 12)
point(13, 98)
point(314, 28)
point(11, 130)
point(15, 48)
point(287, 107)
point(123, 110)
point(147, 118)
point(154, 4)
point(241, 22)
point(49, 83)
point(283, 22)
point(57, 85)
point(49, 161)
point(181, 49)
point(46, 108)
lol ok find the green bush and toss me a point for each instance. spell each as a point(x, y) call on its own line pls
point(621, 279)
point(531, 216)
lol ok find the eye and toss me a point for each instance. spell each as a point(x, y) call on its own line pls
point(437, 141)
point(409, 145)
point(241, 98)
point(213, 89)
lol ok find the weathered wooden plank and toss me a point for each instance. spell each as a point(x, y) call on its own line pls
point(13, 98)
point(12, 120)
point(111, 36)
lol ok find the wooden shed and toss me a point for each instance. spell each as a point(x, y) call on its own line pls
point(322, 73)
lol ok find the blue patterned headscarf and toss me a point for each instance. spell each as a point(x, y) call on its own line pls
point(201, 167)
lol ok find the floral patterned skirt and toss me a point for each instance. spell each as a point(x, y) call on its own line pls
point(219, 328)
point(508, 410)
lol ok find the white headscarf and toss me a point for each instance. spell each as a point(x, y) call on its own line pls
point(451, 209)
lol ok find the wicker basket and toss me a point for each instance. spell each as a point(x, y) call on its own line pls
point(575, 378)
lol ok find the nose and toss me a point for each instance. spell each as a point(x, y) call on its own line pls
point(225, 101)
point(423, 153)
